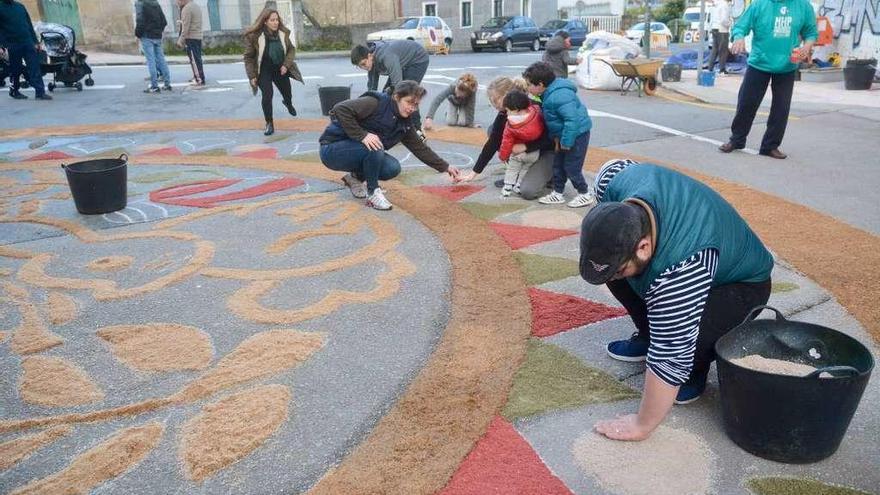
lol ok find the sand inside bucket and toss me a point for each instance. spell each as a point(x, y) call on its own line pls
point(776, 366)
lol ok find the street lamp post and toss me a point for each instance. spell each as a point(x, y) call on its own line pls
point(647, 36)
point(700, 56)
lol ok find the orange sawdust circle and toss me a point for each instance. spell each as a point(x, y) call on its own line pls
point(417, 446)
point(110, 263)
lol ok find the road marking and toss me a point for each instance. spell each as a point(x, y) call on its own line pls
point(480, 67)
point(448, 69)
point(97, 86)
point(118, 66)
point(313, 77)
point(714, 107)
point(668, 130)
point(232, 81)
point(515, 66)
point(353, 74)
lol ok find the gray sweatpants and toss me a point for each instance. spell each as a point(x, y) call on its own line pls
point(518, 166)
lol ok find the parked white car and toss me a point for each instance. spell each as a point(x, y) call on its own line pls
point(431, 31)
point(637, 32)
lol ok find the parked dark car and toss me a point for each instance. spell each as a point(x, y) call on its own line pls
point(506, 33)
point(577, 29)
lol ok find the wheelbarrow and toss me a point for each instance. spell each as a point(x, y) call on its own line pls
point(639, 71)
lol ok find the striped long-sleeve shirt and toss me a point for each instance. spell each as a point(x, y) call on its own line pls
point(675, 301)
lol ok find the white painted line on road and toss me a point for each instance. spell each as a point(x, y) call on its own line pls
point(435, 76)
point(213, 90)
point(117, 66)
point(353, 74)
point(313, 77)
point(479, 67)
point(232, 81)
point(515, 66)
point(668, 130)
point(97, 86)
point(447, 69)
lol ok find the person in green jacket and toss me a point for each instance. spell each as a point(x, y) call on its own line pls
point(777, 26)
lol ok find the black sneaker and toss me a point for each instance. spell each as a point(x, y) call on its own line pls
point(43, 97)
point(290, 109)
point(167, 87)
point(17, 95)
point(152, 90)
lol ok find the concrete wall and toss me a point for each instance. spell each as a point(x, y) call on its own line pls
point(108, 25)
point(856, 25)
point(352, 12)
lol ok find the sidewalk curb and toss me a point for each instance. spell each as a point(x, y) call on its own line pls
point(223, 59)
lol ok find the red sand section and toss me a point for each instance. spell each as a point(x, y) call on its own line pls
point(553, 313)
point(51, 155)
point(503, 462)
point(453, 193)
point(170, 151)
point(519, 236)
point(182, 195)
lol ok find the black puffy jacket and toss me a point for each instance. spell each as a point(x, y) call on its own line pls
point(149, 20)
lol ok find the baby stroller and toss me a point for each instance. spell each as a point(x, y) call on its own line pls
point(67, 65)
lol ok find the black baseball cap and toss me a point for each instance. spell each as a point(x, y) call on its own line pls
point(609, 235)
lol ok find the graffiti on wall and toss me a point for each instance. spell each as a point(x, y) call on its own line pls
point(852, 16)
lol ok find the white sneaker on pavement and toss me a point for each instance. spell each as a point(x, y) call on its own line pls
point(554, 198)
point(581, 200)
point(378, 200)
point(357, 188)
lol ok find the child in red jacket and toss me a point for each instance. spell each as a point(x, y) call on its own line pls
point(524, 125)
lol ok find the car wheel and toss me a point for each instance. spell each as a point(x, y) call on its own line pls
point(508, 45)
point(536, 45)
point(448, 43)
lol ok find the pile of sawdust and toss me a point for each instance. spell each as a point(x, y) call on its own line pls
point(110, 263)
point(231, 428)
point(20, 448)
point(108, 460)
point(159, 346)
point(669, 462)
point(775, 366)
point(796, 486)
point(56, 382)
point(60, 307)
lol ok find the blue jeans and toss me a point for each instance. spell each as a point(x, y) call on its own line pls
point(28, 52)
point(569, 165)
point(155, 61)
point(352, 156)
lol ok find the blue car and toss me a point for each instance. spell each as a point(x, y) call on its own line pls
point(576, 28)
point(506, 33)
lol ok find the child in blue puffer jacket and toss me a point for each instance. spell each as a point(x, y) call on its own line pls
point(568, 124)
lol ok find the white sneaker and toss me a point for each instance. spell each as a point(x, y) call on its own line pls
point(378, 200)
point(506, 190)
point(516, 190)
point(554, 198)
point(358, 189)
point(581, 200)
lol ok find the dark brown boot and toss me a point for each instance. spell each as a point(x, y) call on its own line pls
point(775, 153)
point(728, 147)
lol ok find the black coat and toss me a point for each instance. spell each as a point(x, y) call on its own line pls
point(149, 20)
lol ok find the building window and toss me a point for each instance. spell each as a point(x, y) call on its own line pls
point(497, 8)
point(526, 8)
point(466, 18)
point(429, 8)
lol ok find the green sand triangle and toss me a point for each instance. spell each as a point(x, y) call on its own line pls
point(304, 157)
point(538, 269)
point(416, 176)
point(276, 138)
point(552, 378)
point(778, 287)
point(155, 177)
point(213, 152)
point(797, 486)
point(490, 212)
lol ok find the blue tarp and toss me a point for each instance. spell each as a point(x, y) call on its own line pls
point(688, 60)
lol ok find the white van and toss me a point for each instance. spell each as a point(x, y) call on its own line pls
point(692, 17)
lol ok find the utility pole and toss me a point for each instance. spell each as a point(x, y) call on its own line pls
point(647, 38)
point(701, 55)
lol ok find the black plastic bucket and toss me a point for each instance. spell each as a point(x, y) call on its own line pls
point(858, 77)
point(783, 418)
point(331, 95)
point(98, 186)
point(671, 72)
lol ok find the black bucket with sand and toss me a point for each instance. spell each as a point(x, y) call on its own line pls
point(789, 389)
point(98, 186)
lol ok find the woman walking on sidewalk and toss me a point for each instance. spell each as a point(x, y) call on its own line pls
point(268, 59)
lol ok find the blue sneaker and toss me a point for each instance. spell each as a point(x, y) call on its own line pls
point(632, 350)
point(691, 390)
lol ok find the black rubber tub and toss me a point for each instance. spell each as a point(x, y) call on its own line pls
point(783, 418)
point(98, 186)
point(331, 95)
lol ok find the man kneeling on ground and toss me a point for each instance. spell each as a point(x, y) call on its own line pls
point(686, 267)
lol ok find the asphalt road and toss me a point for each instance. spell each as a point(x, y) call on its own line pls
point(832, 168)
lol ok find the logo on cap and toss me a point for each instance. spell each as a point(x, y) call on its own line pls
point(597, 266)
